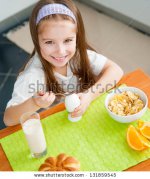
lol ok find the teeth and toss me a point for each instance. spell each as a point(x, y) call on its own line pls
point(60, 59)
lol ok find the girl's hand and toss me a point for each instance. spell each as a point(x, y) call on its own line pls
point(85, 99)
point(44, 100)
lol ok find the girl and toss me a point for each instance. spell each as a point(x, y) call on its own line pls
point(61, 61)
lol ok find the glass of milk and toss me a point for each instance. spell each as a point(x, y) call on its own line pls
point(33, 131)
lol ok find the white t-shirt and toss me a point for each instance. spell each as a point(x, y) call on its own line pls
point(32, 79)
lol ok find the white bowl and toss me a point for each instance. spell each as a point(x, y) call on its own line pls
point(129, 118)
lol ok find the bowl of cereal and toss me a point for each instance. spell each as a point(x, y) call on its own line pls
point(126, 104)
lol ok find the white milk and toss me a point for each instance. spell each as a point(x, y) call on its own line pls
point(35, 136)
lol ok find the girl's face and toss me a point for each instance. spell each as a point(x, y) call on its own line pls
point(57, 40)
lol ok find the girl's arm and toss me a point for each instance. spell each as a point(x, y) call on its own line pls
point(109, 77)
point(13, 113)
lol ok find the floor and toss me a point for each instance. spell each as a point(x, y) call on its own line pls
point(119, 42)
point(11, 60)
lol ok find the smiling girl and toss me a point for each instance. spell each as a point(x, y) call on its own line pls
point(61, 61)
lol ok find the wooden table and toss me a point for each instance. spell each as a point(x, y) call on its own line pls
point(136, 78)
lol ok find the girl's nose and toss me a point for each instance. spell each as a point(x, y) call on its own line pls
point(60, 49)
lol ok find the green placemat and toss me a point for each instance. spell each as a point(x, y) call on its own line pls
point(97, 141)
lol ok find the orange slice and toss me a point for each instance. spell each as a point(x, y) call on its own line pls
point(144, 128)
point(135, 140)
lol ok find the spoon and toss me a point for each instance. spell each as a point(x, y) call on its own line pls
point(56, 94)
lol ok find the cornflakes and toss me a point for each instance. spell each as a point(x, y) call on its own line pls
point(125, 103)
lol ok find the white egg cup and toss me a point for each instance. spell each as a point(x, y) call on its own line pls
point(71, 102)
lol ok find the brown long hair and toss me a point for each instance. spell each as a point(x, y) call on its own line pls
point(81, 66)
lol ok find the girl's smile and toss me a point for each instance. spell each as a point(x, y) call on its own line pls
point(60, 59)
point(57, 39)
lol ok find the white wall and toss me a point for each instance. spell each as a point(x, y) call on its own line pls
point(14, 11)
point(133, 12)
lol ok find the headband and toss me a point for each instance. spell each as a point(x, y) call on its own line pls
point(50, 9)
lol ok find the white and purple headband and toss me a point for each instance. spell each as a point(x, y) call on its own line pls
point(50, 9)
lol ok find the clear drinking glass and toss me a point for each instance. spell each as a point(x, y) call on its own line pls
point(33, 131)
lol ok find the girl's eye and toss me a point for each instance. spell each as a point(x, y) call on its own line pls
point(68, 40)
point(49, 42)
